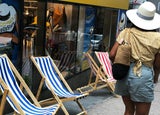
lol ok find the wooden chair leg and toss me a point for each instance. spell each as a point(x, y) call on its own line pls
point(40, 88)
point(3, 102)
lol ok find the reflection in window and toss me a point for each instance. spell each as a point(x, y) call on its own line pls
point(71, 31)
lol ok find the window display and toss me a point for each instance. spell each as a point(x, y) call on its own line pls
point(73, 30)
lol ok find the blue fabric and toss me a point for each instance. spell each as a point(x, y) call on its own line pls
point(140, 89)
point(47, 68)
point(8, 77)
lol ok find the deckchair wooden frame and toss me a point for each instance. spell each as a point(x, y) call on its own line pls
point(5, 94)
point(100, 78)
point(51, 100)
point(23, 85)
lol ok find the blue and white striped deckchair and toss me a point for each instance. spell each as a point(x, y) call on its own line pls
point(14, 95)
point(50, 72)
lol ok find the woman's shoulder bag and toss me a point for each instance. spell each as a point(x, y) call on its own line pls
point(121, 63)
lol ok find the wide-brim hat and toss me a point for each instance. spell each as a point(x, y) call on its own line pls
point(145, 17)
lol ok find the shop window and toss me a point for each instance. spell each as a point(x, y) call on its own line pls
point(73, 30)
point(29, 36)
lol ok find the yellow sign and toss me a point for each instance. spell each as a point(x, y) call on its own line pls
point(120, 4)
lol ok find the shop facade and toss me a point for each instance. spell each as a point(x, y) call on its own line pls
point(69, 28)
point(63, 29)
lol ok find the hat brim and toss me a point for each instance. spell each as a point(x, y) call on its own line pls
point(142, 23)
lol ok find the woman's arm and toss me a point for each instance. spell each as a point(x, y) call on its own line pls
point(119, 40)
point(156, 67)
point(113, 51)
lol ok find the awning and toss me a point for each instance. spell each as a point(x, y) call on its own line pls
point(120, 4)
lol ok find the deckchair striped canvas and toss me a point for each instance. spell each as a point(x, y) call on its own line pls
point(7, 77)
point(65, 61)
point(97, 79)
point(55, 81)
point(104, 60)
point(50, 73)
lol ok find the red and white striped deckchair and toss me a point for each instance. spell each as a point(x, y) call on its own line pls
point(101, 79)
point(103, 58)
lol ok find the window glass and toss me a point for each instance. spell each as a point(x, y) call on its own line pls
point(73, 30)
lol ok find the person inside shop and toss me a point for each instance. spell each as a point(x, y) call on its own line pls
point(137, 88)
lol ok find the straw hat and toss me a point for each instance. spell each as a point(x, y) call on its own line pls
point(145, 17)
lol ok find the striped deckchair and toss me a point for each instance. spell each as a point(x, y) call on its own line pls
point(50, 74)
point(103, 58)
point(12, 92)
point(65, 61)
point(101, 79)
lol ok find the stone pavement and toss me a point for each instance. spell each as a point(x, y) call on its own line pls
point(114, 106)
point(101, 102)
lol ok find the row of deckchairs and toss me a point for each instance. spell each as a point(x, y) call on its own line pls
point(54, 81)
point(51, 77)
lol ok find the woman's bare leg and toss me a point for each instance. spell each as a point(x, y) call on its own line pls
point(129, 105)
point(142, 108)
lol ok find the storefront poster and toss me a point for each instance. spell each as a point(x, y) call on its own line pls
point(89, 27)
point(121, 21)
point(9, 29)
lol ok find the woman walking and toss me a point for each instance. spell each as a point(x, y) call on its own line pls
point(137, 88)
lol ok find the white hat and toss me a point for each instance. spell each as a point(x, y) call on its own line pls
point(145, 17)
